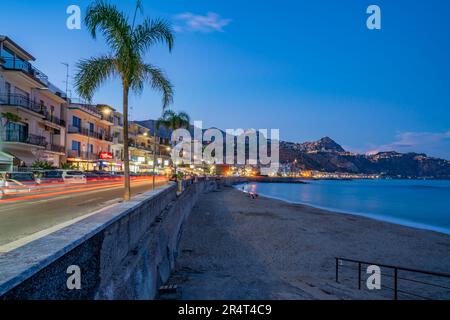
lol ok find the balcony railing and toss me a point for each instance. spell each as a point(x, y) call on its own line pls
point(55, 120)
point(56, 148)
point(118, 122)
point(140, 147)
point(117, 140)
point(26, 67)
point(19, 100)
point(86, 132)
point(15, 136)
point(82, 155)
point(110, 119)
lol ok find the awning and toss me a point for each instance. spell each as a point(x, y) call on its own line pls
point(24, 156)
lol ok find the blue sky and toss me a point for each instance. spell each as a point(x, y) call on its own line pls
point(309, 68)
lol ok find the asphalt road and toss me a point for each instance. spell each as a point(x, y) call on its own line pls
point(28, 219)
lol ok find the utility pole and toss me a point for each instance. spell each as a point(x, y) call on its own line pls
point(67, 78)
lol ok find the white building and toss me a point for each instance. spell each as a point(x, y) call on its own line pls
point(32, 128)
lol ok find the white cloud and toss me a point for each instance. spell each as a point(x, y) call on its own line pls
point(431, 143)
point(210, 22)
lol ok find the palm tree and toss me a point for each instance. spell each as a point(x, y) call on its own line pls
point(128, 45)
point(171, 121)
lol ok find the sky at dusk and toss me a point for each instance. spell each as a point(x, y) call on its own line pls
point(310, 68)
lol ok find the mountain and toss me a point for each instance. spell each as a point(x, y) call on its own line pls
point(328, 156)
point(323, 145)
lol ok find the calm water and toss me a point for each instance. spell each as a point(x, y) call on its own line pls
point(416, 203)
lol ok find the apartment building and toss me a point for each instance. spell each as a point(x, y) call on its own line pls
point(31, 109)
point(89, 140)
point(117, 136)
point(38, 123)
point(141, 148)
point(160, 145)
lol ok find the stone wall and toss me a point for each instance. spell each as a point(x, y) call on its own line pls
point(124, 252)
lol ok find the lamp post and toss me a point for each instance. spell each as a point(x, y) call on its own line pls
point(154, 156)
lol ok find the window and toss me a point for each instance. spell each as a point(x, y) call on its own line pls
point(16, 132)
point(91, 128)
point(23, 94)
point(8, 92)
point(8, 88)
point(76, 146)
point(91, 148)
point(76, 122)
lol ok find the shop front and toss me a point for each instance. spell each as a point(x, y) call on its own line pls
point(103, 162)
point(108, 163)
point(83, 164)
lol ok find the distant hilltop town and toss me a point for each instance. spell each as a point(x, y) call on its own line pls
point(326, 158)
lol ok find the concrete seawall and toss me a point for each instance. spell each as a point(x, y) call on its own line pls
point(124, 252)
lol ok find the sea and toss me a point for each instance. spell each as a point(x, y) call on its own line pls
point(423, 204)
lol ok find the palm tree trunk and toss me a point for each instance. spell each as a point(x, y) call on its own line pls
point(126, 157)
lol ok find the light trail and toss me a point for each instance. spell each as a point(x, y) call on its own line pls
point(69, 189)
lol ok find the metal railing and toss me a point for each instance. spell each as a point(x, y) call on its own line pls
point(19, 100)
point(412, 280)
point(55, 120)
point(56, 148)
point(13, 136)
point(82, 155)
point(88, 133)
point(26, 67)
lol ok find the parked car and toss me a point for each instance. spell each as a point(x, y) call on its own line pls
point(103, 174)
point(49, 177)
point(24, 178)
point(74, 176)
point(91, 175)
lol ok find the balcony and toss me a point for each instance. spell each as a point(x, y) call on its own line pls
point(56, 148)
point(8, 136)
point(87, 156)
point(118, 122)
point(118, 140)
point(87, 133)
point(55, 120)
point(141, 147)
point(107, 118)
point(18, 100)
point(12, 63)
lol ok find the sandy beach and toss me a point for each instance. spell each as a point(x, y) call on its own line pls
point(234, 247)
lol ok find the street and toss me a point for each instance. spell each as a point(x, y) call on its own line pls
point(29, 216)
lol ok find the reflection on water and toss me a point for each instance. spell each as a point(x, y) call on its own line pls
point(424, 204)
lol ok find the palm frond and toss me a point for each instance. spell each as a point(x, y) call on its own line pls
point(91, 73)
point(185, 119)
point(112, 23)
point(151, 32)
point(159, 81)
point(172, 120)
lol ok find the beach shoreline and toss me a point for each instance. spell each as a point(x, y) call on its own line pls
point(381, 218)
point(235, 247)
